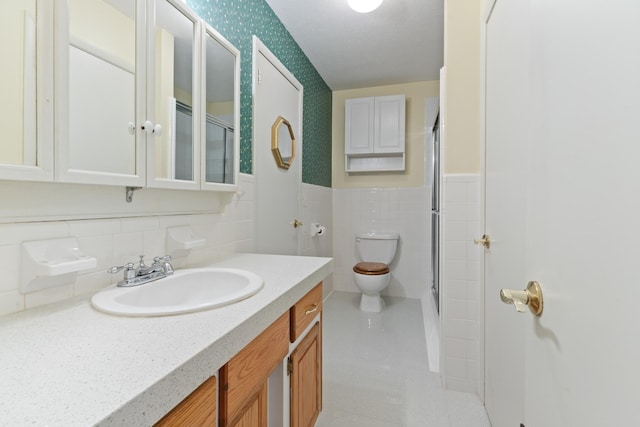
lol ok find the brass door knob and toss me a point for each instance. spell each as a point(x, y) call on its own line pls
point(484, 241)
point(531, 297)
point(296, 223)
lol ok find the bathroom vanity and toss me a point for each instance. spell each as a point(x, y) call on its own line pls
point(69, 364)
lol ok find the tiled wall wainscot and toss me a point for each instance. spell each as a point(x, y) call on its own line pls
point(316, 206)
point(405, 211)
point(460, 283)
point(115, 241)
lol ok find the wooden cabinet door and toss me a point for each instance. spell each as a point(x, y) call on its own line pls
point(243, 377)
point(197, 409)
point(306, 379)
point(255, 415)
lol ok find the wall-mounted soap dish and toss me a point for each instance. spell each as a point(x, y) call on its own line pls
point(51, 263)
point(180, 241)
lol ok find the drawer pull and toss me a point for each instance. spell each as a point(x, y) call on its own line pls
point(311, 309)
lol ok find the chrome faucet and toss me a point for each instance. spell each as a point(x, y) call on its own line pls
point(133, 276)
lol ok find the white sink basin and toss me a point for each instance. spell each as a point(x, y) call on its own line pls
point(183, 292)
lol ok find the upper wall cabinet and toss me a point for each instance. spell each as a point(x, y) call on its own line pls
point(26, 115)
point(375, 134)
point(143, 93)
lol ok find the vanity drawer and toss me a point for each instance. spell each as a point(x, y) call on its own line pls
point(245, 374)
point(305, 310)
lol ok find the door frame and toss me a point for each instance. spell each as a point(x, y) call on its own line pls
point(486, 15)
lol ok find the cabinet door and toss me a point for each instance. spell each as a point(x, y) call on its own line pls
point(359, 125)
point(389, 124)
point(99, 84)
point(26, 115)
point(197, 409)
point(255, 415)
point(245, 374)
point(173, 104)
point(306, 380)
point(220, 158)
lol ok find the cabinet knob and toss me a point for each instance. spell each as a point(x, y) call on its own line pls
point(151, 129)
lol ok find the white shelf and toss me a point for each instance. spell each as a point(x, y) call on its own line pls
point(375, 163)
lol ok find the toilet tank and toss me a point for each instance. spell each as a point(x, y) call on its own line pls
point(376, 246)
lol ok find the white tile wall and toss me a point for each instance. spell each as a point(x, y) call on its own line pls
point(119, 240)
point(342, 211)
point(317, 206)
point(461, 278)
point(406, 211)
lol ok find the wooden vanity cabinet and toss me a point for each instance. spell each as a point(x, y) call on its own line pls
point(197, 409)
point(243, 380)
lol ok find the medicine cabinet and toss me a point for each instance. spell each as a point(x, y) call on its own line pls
point(143, 92)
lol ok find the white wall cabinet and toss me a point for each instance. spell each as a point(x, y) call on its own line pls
point(375, 134)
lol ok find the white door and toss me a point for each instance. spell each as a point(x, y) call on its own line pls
point(573, 76)
point(505, 79)
point(277, 93)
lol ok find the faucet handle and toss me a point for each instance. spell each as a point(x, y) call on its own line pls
point(165, 258)
point(129, 270)
point(141, 265)
point(117, 268)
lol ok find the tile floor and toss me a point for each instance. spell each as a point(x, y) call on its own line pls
point(376, 372)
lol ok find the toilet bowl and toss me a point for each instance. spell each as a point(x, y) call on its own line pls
point(372, 275)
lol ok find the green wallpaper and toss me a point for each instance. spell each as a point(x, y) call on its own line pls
point(238, 21)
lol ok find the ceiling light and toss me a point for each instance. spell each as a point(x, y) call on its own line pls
point(364, 6)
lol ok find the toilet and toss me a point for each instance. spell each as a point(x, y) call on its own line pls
point(371, 275)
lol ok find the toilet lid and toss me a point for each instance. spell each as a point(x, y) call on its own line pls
point(371, 268)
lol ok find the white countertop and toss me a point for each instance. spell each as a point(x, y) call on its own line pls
point(70, 365)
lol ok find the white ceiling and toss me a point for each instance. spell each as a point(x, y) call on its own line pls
point(400, 42)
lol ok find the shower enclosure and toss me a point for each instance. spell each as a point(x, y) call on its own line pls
point(435, 215)
point(219, 147)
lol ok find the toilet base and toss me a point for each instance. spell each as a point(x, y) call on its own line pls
point(371, 303)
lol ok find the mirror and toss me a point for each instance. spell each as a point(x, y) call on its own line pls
point(220, 105)
point(174, 148)
point(283, 142)
point(101, 87)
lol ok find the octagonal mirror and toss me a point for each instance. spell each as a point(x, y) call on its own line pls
point(283, 142)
